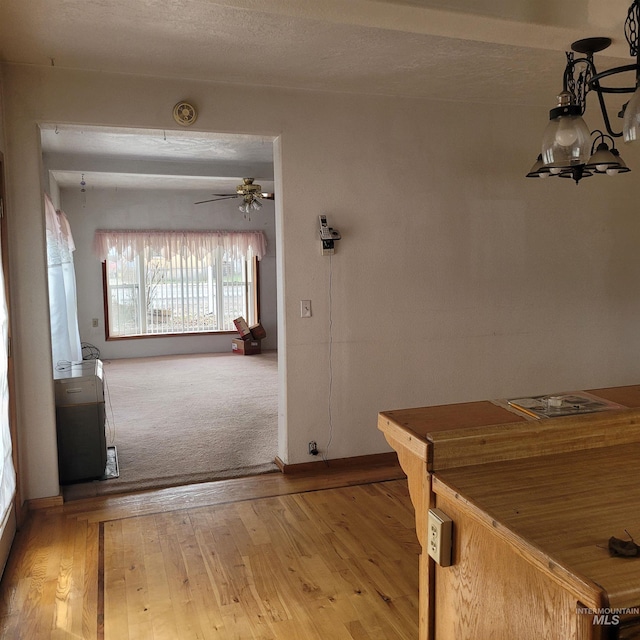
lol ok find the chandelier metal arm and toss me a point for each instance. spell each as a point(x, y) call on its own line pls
point(631, 28)
point(595, 80)
point(631, 32)
point(605, 114)
point(599, 136)
point(578, 87)
point(592, 83)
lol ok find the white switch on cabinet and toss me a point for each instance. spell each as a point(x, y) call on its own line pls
point(305, 308)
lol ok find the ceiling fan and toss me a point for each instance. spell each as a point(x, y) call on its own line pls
point(250, 193)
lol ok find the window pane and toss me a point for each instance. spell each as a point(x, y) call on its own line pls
point(234, 284)
point(185, 294)
point(124, 295)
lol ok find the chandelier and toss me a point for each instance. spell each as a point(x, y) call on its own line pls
point(569, 148)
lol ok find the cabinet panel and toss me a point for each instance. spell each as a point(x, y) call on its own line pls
point(492, 591)
point(82, 447)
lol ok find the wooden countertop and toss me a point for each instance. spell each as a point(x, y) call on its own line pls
point(562, 508)
point(627, 396)
point(423, 421)
point(479, 432)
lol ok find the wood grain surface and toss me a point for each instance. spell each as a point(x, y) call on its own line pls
point(493, 592)
point(330, 557)
point(453, 453)
point(563, 508)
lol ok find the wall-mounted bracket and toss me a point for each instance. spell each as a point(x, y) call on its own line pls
point(328, 236)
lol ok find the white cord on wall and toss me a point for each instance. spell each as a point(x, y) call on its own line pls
point(325, 455)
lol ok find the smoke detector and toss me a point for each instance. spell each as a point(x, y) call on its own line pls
point(184, 114)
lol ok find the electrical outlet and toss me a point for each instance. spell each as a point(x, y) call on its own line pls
point(440, 537)
point(94, 323)
point(313, 449)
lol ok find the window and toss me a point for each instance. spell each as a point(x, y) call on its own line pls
point(159, 283)
point(7, 471)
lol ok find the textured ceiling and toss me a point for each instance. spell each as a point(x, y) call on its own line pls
point(454, 50)
point(143, 158)
point(496, 51)
point(158, 145)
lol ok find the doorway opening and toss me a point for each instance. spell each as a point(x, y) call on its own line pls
point(149, 180)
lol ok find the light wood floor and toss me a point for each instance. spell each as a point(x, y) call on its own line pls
point(321, 556)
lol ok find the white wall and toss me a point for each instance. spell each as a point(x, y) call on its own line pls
point(103, 208)
point(456, 279)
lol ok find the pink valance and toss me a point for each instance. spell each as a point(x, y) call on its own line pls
point(236, 244)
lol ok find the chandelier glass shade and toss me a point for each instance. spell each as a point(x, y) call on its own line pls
point(601, 159)
point(567, 139)
point(539, 170)
point(621, 168)
point(569, 148)
point(631, 121)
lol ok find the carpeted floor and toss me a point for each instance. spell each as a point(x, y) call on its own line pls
point(185, 419)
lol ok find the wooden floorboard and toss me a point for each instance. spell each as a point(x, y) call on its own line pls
point(318, 555)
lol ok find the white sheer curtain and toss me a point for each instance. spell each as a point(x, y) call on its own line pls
point(236, 244)
point(7, 472)
point(63, 305)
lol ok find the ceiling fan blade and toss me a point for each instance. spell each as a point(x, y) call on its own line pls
point(268, 196)
point(215, 199)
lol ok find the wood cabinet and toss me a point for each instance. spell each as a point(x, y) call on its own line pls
point(534, 503)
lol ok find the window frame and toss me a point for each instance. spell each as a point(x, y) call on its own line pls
point(144, 336)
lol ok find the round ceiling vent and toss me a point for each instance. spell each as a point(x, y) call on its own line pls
point(184, 113)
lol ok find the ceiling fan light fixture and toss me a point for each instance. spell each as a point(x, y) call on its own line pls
point(247, 187)
point(250, 193)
